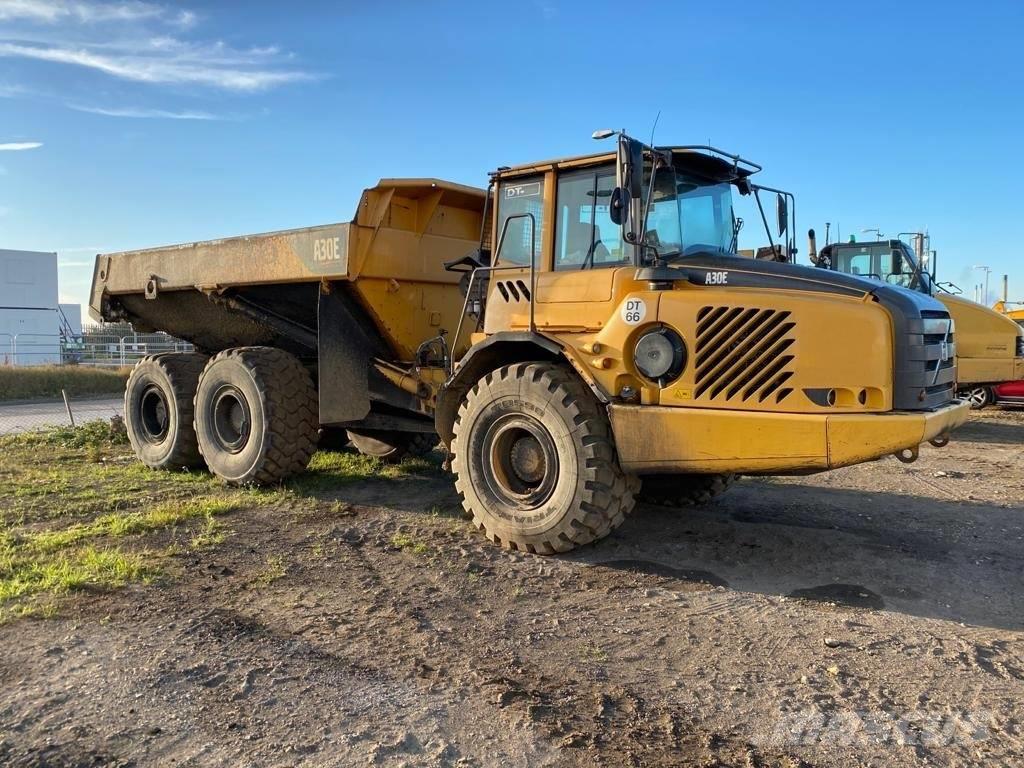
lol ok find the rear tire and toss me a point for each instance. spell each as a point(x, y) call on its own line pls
point(158, 413)
point(683, 490)
point(978, 397)
point(390, 446)
point(256, 415)
point(534, 461)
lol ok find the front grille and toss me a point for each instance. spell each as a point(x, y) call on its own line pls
point(926, 365)
point(743, 353)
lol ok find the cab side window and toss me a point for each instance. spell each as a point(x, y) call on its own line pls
point(521, 204)
point(585, 236)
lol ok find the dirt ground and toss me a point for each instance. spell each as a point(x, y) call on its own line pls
point(871, 616)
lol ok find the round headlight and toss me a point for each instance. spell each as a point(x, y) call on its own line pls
point(659, 355)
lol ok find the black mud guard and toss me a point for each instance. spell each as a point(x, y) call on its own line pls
point(344, 352)
point(496, 351)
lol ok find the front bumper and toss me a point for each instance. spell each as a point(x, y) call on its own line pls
point(653, 439)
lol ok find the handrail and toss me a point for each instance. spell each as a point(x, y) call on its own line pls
point(497, 268)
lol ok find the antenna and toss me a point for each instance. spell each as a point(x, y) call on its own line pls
point(656, 118)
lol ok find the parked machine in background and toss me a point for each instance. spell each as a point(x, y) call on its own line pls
point(989, 345)
point(579, 334)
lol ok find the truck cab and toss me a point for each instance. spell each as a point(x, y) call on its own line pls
point(990, 346)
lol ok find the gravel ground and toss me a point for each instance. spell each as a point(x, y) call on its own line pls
point(870, 616)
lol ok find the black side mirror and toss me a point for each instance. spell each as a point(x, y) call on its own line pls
point(618, 205)
point(636, 168)
point(782, 213)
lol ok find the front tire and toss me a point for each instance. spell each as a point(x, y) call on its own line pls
point(683, 490)
point(535, 462)
point(158, 410)
point(256, 415)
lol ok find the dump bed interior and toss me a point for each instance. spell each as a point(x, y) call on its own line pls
point(264, 289)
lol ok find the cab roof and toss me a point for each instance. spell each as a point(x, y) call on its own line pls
point(704, 160)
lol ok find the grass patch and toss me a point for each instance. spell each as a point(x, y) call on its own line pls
point(46, 381)
point(26, 576)
point(115, 525)
point(93, 434)
point(407, 543)
point(274, 570)
point(329, 470)
point(78, 511)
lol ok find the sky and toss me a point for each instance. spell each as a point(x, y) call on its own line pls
point(133, 123)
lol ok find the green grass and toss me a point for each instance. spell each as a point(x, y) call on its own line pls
point(78, 511)
point(407, 543)
point(46, 381)
point(329, 470)
point(274, 570)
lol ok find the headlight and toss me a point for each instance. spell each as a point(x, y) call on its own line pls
point(660, 355)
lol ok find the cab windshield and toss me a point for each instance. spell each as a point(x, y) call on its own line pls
point(891, 263)
point(688, 215)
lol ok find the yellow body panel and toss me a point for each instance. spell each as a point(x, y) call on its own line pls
point(986, 343)
point(841, 343)
point(661, 439)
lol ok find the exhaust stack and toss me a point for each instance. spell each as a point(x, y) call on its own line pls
point(812, 247)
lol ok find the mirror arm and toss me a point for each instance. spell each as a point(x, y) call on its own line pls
point(764, 219)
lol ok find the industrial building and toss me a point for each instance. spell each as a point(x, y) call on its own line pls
point(33, 323)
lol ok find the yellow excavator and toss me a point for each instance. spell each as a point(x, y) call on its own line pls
point(990, 345)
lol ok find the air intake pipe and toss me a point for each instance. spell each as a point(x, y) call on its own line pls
point(812, 247)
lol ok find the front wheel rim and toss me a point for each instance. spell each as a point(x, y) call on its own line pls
point(978, 397)
point(519, 461)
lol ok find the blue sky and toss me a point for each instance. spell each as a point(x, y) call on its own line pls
point(166, 122)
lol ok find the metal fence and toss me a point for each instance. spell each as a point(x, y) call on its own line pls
point(18, 417)
point(93, 347)
point(103, 346)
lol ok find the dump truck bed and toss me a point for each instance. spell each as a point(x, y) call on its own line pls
point(265, 288)
point(286, 256)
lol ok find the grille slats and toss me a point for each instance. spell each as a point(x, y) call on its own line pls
point(711, 361)
point(720, 329)
point(740, 353)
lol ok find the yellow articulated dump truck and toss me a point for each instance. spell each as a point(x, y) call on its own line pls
point(989, 345)
point(1005, 307)
point(579, 335)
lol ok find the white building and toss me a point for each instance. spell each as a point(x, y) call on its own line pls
point(31, 318)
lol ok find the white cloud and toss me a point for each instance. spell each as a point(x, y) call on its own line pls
point(132, 112)
point(169, 61)
point(19, 146)
point(9, 91)
point(81, 11)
